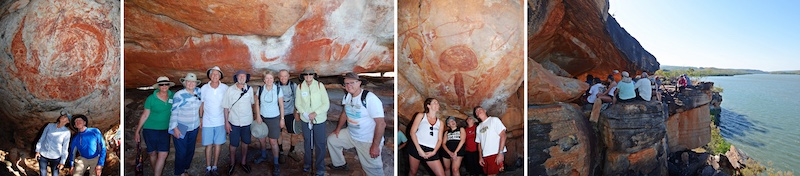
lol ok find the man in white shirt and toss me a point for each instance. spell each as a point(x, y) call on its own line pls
point(213, 117)
point(491, 139)
point(365, 128)
point(238, 106)
point(644, 88)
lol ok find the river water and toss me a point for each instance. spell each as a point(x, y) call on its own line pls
point(761, 116)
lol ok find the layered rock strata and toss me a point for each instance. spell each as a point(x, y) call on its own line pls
point(166, 38)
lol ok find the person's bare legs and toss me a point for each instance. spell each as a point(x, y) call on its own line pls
point(456, 166)
point(274, 145)
point(233, 154)
point(436, 166)
point(414, 165)
point(162, 157)
point(217, 148)
point(244, 152)
point(446, 166)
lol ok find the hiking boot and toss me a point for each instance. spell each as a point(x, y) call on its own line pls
point(246, 168)
point(277, 170)
point(231, 168)
point(306, 168)
point(282, 158)
point(342, 167)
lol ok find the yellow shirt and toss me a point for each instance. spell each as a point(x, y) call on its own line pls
point(310, 99)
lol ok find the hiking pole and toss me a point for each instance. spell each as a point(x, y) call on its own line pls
point(311, 128)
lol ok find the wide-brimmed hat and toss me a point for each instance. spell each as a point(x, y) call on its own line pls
point(162, 80)
point(190, 77)
point(235, 75)
point(208, 72)
point(351, 75)
point(626, 77)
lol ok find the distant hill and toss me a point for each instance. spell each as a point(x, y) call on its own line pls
point(795, 72)
point(709, 71)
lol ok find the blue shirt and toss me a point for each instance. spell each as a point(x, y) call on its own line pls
point(626, 90)
point(89, 144)
point(185, 111)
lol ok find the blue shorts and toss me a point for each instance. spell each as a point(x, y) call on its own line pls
point(156, 140)
point(240, 133)
point(213, 135)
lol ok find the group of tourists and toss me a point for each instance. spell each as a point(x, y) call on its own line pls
point(445, 147)
point(240, 112)
point(81, 151)
point(625, 90)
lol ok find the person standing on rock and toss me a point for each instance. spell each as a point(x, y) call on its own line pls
point(184, 122)
point(453, 149)
point(51, 150)
point(269, 103)
point(238, 107)
point(491, 138)
point(312, 103)
point(154, 122)
point(471, 147)
point(90, 145)
point(644, 87)
point(426, 140)
point(212, 113)
point(363, 112)
point(625, 89)
point(291, 119)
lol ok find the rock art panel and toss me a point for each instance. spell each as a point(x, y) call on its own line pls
point(463, 53)
point(332, 36)
point(58, 55)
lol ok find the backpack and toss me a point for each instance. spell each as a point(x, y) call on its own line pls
point(291, 85)
point(261, 90)
point(363, 98)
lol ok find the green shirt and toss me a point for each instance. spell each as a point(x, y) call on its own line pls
point(159, 111)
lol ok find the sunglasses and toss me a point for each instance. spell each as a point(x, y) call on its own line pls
point(165, 84)
point(306, 74)
point(350, 83)
point(431, 131)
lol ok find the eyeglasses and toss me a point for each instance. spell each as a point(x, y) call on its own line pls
point(306, 74)
point(350, 83)
point(164, 84)
point(431, 131)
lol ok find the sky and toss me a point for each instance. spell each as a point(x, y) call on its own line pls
point(744, 34)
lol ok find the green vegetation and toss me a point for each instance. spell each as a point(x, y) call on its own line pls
point(718, 145)
point(755, 168)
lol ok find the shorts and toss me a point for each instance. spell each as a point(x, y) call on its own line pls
point(289, 121)
point(273, 127)
point(413, 152)
point(240, 133)
point(156, 140)
point(213, 135)
point(451, 145)
point(490, 167)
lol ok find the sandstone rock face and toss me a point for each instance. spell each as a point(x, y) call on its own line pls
point(563, 34)
point(544, 87)
point(58, 56)
point(559, 141)
point(688, 125)
point(463, 53)
point(635, 135)
point(331, 36)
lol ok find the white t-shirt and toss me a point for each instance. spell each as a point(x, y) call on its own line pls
point(645, 89)
point(241, 110)
point(213, 114)
point(594, 90)
point(488, 135)
point(268, 102)
point(360, 120)
point(427, 136)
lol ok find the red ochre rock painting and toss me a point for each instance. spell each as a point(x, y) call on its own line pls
point(331, 36)
point(62, 55)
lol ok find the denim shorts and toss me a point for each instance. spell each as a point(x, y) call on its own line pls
point(240, 133)
point(213, 135)
point(156, 140)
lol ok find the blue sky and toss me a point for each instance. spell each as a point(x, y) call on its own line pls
point(762, 35)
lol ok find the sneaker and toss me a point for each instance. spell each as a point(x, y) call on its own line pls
point(214, 172)
point(342, 167)
point(231, 168)
point(208, 172)
point(282, 158)
point(246, 168)
point(306, 169)
point(277, 170)
point(260, 159)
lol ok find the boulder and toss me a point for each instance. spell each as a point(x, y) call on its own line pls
point(689, 129)
point(544, 87)
point(635, 136)
point(331, 36)
point(560, 141)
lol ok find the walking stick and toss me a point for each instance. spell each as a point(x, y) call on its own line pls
point(311, 128)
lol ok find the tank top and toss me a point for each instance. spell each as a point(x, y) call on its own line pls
point(454, 135)
point(424, 137)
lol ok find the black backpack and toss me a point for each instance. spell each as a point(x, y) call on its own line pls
point(261, 90)
point(363, 98)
